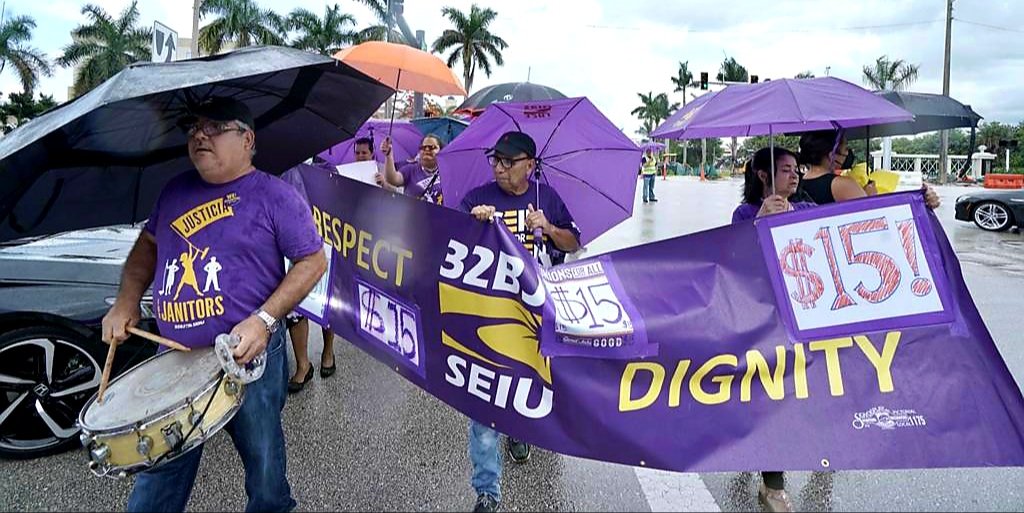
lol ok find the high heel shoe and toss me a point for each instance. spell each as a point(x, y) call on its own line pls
point(326, 372)
point(297, 386)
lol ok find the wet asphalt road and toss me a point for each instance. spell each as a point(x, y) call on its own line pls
point(366, 440)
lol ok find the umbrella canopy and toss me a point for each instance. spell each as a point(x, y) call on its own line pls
point(583, 156)
point(405, 142)
point(402, 67)
point(506, 93)
point(103, 158)
point(447, 128)
point(780, 106)
point(652, 146)
point(931, 112)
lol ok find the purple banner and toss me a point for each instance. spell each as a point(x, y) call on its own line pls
point(719, 383)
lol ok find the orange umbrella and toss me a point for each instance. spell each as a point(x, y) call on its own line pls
point(402, 67)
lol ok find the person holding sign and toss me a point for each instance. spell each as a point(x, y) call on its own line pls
point(420, 179)
point(539, 219)
point(298, 325)
point(765, 194)
point(825, 151)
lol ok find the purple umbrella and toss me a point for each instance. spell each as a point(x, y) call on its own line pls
point(652, 146)
point(780, 106)
point(582, 155)
point(405, 142)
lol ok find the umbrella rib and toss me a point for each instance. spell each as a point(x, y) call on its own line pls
point(578, 179)
point(581, 150)
point(514, 122)
point(559, 125)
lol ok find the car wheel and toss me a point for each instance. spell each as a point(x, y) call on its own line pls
point(992, 216)
point(47, 373)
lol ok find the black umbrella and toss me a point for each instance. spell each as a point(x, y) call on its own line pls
point(509, 92)
point(931, 112)
point(103, 158)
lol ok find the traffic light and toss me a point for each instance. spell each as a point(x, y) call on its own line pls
point(704, 80)
point(753, 79)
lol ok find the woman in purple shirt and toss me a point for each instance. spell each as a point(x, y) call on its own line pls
point(759, 199)
point(420, 178)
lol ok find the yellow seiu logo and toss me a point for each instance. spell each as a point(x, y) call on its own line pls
point(508, 332)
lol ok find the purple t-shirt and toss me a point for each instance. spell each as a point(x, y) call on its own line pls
point(513, 210)
point(748, 211)
point(221, 250)
point(420, 184)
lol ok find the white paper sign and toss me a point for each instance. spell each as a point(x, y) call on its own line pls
point(314, 305)
point(858, 267)
point(360, 171)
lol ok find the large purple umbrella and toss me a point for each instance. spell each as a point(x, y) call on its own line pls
point(405, 142)
point(582, 155)
point(780, 106)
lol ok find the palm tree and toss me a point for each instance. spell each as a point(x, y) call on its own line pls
point(384, 29)
point(889, 75)
point(105, 46)
point(682, 79)
point(471, 42)
point(653, 110)
point(28, 62)
point(732, 71)
point(321, 35)
point(240, 21)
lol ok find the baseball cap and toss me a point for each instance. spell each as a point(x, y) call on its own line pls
point(222, 108)
point(513, 143)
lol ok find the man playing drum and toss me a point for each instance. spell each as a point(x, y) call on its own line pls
point(249, 221)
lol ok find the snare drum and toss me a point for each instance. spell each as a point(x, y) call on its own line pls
point(157, 411)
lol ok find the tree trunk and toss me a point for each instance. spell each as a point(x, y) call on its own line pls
point(196, 4)
point(467, 68)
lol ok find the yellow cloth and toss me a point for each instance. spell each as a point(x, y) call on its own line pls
point(885, 181)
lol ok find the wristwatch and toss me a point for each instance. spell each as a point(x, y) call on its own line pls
point(267, 319)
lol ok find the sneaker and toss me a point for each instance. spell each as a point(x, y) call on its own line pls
point(485, 503)
point(654, 200)
point(774, 500)
point(517, 450)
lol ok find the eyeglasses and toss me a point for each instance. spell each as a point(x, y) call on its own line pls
point(211, 128)
point(427, 147)
point(506, 162)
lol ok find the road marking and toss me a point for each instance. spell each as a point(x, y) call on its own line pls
point(674, 491)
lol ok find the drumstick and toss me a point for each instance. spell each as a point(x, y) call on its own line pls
point(157, 338)
point(106, 371)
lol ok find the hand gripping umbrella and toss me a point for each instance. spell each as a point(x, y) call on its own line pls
point(583, 156)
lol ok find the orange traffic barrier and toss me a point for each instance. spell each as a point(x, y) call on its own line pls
point(1001, 181)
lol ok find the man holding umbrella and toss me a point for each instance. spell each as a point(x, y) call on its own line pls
point(250, 221)
point(536, 215)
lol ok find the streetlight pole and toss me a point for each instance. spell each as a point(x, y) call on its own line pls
point(195, 28)
point(944, 136)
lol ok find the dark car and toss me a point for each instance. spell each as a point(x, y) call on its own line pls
point(54, 292)
point(992, 210)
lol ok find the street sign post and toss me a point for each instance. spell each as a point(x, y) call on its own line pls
point(165, 43)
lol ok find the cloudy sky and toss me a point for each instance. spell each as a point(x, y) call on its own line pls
point(609, 50)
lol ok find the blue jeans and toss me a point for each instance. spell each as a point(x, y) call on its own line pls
point(649, 187)
point(485, 454)
point(258, 437)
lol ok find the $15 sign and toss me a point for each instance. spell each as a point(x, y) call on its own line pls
point(853, 268)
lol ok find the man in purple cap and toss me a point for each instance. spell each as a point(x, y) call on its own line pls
point(527, 208)
point(248, 222)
